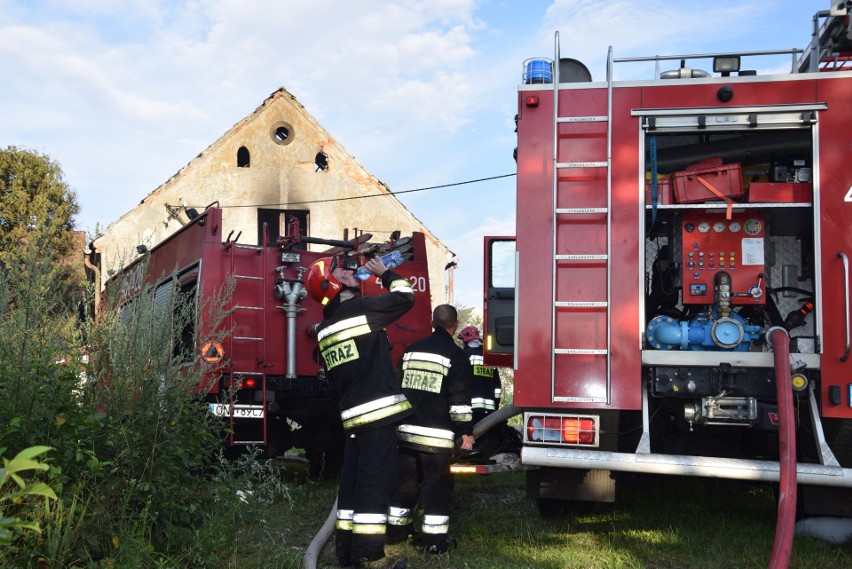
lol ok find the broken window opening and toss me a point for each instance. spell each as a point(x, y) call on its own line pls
point(243, 157)
point(282, 133)
point(321, 161)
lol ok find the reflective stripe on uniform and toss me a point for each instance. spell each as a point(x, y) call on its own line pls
point(426, 436)
point(421, 380)
point(426, 361)
point(461, 413)
point(400, 285)
point(343, 330)
point(374, 410)
point(424, 371)
point(373, 524)
point(482, 403)
point(476, 360)
point(436, 524)
point(344, 519)
point(400, 516)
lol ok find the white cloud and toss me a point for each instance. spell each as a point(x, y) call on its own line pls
point(422, 92)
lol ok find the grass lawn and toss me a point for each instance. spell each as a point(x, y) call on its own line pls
point(657, 522)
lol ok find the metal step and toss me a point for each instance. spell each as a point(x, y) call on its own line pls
point(581, 351)
point(581, 304)
point(580, 210)
point(581, 257)
point(582, 164)
point(598, 118)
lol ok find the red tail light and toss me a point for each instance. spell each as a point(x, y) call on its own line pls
point(248, 383)
point(562, 429)
point(578, 431)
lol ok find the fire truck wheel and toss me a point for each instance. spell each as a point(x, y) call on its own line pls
point(818, 501)
point(841, 443)
point(549, 508)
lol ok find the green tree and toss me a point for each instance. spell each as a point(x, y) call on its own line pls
point(34, 198)
point(469, 316)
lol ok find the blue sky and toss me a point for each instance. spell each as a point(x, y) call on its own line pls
point(123, 93)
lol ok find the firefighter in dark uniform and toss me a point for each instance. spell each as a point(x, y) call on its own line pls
point(436, 378)
point(356, 354)
point(486, 394)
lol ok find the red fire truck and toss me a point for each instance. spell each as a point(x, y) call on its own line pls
point(262, 369)
point(680, 274)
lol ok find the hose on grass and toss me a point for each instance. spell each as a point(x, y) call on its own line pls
point(312, 553)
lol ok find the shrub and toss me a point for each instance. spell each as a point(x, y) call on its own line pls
point(17, 513)
point(137, 470)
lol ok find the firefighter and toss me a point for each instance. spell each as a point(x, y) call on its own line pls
point(486, 394)
point(356, 356)
point(436, 377)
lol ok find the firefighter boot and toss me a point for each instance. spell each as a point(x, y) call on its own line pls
point(386, 562)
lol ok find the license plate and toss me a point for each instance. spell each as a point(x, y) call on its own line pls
point(239, 411)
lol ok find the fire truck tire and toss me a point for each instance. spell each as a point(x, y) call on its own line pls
point(814, 501)
point(549, 507)
point(841, 443)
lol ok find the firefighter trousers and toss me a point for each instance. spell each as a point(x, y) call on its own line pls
point(369, 472)
point(425, 476)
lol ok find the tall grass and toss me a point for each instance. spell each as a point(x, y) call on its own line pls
point(138, 463)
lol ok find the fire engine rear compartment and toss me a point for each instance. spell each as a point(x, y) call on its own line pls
point(645, 373)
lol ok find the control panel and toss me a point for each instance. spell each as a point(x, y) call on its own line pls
point(713, 244)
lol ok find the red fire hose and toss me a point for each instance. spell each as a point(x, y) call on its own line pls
point(786, 519)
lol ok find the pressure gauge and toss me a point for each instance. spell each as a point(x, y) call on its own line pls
point(734, 226)
point(753, 226)
point(703, 227)
point(719, 227)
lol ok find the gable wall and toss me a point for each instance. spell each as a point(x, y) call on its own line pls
point(278, 174)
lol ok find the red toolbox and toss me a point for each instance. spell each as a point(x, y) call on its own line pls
point(769, 192)
point(693, 184)
point(664, 191)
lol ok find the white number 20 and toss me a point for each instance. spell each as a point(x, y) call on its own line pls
point(417, 283)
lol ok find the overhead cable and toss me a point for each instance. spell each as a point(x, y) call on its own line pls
point(373, 195)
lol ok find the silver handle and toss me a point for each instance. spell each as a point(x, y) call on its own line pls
point(845, 259)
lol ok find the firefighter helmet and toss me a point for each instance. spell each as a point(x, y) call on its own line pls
point(321, 284)
point(469, 333)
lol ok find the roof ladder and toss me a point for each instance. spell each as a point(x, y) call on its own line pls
point(566, 213)
point(243, 259)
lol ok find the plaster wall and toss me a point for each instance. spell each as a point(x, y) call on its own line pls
point(282, 174)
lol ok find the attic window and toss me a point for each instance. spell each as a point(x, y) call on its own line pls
point(321, 161)
point(282, 133)
point(243, 157)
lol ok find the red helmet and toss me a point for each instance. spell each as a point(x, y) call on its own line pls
point(469, 333)
point(321, 284)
